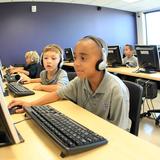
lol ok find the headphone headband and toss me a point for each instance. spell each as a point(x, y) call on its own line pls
point(95, 39)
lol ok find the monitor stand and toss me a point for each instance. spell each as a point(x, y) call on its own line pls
point(4, 140)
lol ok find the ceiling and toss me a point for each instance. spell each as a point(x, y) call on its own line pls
point(138, 6)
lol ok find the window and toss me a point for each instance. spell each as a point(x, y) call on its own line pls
point(153, 27)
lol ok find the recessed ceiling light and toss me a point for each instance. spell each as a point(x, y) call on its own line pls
point(130, 1)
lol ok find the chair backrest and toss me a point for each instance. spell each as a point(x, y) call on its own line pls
point(135, 91)
point(71, 75)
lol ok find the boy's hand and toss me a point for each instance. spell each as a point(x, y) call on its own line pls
point(16, 102)
point(26, 80)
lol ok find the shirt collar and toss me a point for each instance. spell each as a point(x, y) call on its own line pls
point(102, 86)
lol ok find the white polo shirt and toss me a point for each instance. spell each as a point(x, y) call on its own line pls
point(132, 61)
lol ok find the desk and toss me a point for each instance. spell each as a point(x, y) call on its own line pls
point(39, 146)
point(129, 72)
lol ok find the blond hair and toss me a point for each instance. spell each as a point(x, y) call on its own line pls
point(33, 55)
point(53, 47)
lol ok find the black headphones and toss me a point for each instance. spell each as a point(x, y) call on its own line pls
point(60, 64)
point(101, 64)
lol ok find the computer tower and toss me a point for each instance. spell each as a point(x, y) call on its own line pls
point(150, 88)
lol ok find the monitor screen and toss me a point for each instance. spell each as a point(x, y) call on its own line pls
point(8, 132)
point(114, 58)
point(68, 54)
point(2, 87)
point(1, 72)
point(148, 57)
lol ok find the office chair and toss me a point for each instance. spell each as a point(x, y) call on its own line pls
point(135, 91)
point(150, 91)
point(157, 119)
point(71, 75)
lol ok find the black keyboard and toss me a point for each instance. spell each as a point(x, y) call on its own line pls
point(71, 136)
point(19, 90)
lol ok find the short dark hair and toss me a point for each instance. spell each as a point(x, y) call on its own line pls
point(130, 47)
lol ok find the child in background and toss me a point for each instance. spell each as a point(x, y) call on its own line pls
point(31, 67)
point(130, 60)
point(53, 77)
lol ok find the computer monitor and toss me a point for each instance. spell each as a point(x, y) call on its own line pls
point(68, 54)
point(114, 58)
point(8, 132)
point(2, 87)
point(5, 91)
point(148, 58)
point(1, 72)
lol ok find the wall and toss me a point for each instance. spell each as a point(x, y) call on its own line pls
point(22, 30)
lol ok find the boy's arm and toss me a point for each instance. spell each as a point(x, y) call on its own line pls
point(49, 98)
point(35, 80)
point(26, 79)
point(29, 80)
point(23, 71)
point(19, 69)
point(48, 88)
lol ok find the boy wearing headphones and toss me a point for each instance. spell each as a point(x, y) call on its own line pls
point(31, 67)
point(94, 89)
point(53, 77)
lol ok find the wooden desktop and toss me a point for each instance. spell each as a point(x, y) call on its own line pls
point(39, 146)
point(128, 71)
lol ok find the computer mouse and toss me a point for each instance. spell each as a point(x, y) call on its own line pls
point(14, 108)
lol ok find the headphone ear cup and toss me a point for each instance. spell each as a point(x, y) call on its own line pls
point(98, 64)
point(101, 64)
point(41, 61)
point(60, 64)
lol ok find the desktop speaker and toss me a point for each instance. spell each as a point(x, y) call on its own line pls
point(150, 88)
